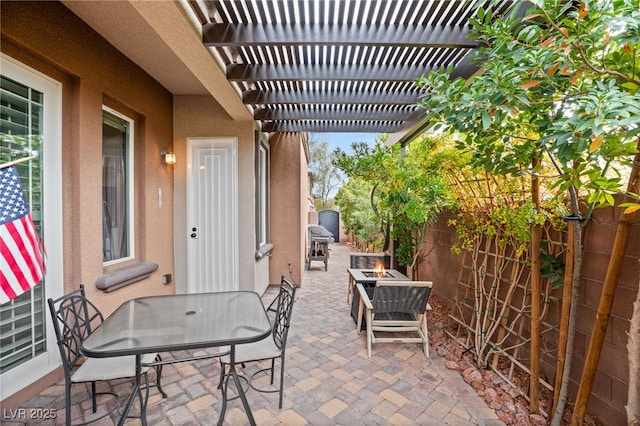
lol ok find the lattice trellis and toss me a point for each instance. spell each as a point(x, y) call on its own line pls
point(493, 306)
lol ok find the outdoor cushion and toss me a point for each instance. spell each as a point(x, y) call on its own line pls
point(94, 369)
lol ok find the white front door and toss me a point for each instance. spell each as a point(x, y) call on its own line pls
point(212, 199)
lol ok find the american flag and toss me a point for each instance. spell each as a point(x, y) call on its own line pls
point(21, 259)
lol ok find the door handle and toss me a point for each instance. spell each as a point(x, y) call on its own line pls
point(194, 232)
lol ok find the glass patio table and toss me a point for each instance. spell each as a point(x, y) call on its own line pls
point(181, 322)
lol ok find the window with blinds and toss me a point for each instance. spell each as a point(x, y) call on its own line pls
point(22, 321)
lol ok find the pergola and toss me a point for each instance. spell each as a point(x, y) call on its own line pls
point(338, 65)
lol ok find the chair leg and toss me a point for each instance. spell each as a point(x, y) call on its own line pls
point(222, 369)
point(94, 402)
point(158, 369)
point(369, 332)
point(93, 397)
point(359, 322)
point(273, 363)
point(281, 378)
point(425, 330)
point(67, 400)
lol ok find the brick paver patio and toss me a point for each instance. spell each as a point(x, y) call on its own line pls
point(329, 378)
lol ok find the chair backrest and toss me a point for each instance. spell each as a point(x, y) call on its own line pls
point(283, 309)
point(370, 260)
point(74, 318)
point(409, 297)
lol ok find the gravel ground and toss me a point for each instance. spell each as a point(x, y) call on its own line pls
point(506, 399)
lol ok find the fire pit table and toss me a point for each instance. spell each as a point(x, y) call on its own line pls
point(368, 278)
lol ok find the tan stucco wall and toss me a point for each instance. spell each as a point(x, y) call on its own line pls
point(50, 39)
point(289, 208)
point(93, 74)
point(313, 217)
point(200, 116)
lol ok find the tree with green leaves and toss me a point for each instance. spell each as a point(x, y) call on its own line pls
point(356, 215)
point(559, 84)
point(325, 177)
point(409, 191)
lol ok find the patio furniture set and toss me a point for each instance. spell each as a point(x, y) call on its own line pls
point(128, 342)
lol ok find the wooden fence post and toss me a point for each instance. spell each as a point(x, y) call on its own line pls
point(606, 298)
point(563, 335)
point(536, 235)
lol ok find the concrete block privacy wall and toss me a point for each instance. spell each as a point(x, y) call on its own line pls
point(609, 394)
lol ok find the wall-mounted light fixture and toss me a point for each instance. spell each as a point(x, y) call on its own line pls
point(169, 157)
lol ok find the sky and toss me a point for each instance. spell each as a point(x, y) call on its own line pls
point(344, 140)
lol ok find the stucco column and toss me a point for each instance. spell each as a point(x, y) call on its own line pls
point(289, 206)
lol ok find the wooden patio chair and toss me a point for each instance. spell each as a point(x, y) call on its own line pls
point(397, 308)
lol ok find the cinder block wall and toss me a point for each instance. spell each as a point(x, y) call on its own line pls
point(609, 395)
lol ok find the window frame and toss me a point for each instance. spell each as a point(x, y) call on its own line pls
point(130, 184)
point(262, 196)
point(16, 379)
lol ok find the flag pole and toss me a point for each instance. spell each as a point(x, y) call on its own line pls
point(18, 161)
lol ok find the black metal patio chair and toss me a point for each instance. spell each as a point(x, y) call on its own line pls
point(74, 319)
point(270, 348)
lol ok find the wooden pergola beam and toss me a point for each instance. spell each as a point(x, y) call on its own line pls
point(339, 113)
point(295, 34)
point(380, 97)
point(289, 72)
point(330, 126)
